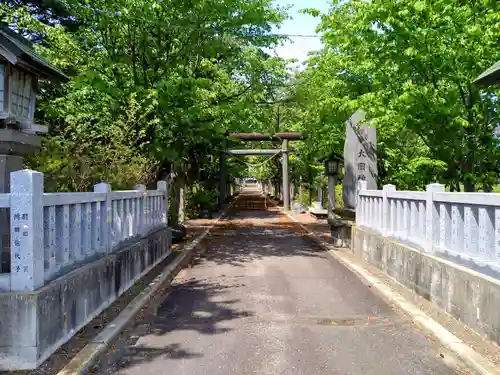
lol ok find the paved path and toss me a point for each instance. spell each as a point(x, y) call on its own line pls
point(265, 300)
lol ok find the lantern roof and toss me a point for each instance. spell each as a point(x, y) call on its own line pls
point(332, 156)
point(19, 51)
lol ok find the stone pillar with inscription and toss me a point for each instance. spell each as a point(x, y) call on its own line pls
point(360, 158)
point(26, 225)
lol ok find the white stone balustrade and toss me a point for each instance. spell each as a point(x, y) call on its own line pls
point(51, 233)
point(460, 225)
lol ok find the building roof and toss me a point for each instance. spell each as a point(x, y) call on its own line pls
point(490, 76)
point(19, 50)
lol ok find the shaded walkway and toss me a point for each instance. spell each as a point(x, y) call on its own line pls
point(262, 299)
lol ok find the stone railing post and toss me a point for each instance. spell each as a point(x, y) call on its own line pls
point(163, 186)
point(431, 216)
point(105, 217)
point(361, 209)
point(386, 210)
point(142, 206)
point(319, 195)
point(26, 229)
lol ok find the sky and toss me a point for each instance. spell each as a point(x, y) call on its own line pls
point(300, 24)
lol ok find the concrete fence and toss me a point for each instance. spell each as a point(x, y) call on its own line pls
point(71, 228)
point(71, 255)
point(443, 246)
point(460, 225)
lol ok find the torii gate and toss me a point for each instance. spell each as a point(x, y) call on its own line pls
point(284, 151)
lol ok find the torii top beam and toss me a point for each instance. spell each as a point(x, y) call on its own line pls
point(292, 136)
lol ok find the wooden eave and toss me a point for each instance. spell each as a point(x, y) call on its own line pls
point(18, 52)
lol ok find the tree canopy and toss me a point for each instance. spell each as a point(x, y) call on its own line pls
point(157, 86)
point(411, 66)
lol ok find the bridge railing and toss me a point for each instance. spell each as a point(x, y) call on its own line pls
point(52, 233)
point(459, 225)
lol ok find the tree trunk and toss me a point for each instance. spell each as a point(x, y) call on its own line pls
point(163, 172)
point(455, 186)
point(469, 187)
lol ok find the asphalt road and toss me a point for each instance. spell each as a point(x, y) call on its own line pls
point(264, 300)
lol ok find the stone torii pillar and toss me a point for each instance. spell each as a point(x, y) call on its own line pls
point(286, 178)
point(284, 138)
point(222, 180)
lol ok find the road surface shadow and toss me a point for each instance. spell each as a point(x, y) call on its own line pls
point(269, 234)
point(200, 306)
point(190, 305)
point(135, 355)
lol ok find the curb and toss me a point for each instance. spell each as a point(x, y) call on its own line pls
point(86, 358)
point(464, 352)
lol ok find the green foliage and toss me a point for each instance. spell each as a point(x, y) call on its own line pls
point(339, 199)
point(76, 166)
point(304, 198)
point(200, 200)
point(410, 66)
point(155, 86)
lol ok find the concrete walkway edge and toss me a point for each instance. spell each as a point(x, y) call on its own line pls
point(464, 352)
point(86, 358)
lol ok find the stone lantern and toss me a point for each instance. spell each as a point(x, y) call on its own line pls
point(332, 163)
point(20, 70)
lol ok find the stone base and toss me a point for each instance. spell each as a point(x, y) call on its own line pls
point(341, 232)
point(349, 214)
point(15, 142)
point(297, 207)
point(34, 325)
point(178, 232)
point(317, 210)
point(469, 296)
